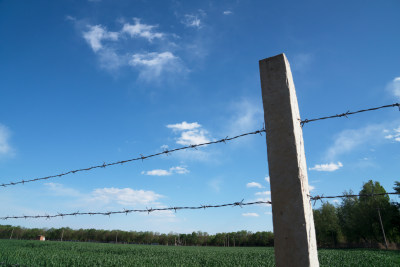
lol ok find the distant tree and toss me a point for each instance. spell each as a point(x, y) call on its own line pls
point(327, 226)
point(349, 218)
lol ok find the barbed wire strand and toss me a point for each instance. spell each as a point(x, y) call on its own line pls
point(165, 152)
point(349, 113)
point(126, 211)
point(318, 197)
point(149, 210)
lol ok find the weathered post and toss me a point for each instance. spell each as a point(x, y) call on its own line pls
point(294, 233)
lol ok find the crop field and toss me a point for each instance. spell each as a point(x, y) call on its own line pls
point(36, 253)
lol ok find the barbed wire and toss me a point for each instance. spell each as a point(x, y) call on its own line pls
point(318, 197)
point(150, 210)
point(168, 151)
point(126, 211)
point(348, 113)
point(165, 152)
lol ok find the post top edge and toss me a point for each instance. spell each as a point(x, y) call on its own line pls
point(282, 55)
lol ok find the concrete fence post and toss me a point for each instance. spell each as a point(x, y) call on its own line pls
point(294, 233)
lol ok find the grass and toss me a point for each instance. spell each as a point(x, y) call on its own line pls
point(36, 253)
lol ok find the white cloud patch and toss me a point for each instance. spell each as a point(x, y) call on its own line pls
point(329, 167)
point(394, 87)
point(161, 172)
point(125, 196)
point(114, 51)
point(184, 126)
point(248, 116)
point(194, 20)
point(250, 214)
point(5, 147)
point(227, 12)
point(190, 133)
point(96, 34)
point(157, 172)
point(141, 30)
point(267, 179)
point(179, 170)
point(153, 65)
point(254, 185)
point(311, 188)
point(264, 193)
point(190, 20)
point(352, 139)
point(394, 135)
point(193, 137)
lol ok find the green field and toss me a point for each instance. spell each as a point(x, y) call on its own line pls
point(36, 253)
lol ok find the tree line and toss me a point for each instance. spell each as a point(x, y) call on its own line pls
point(232, 239)
point(359, 220)
point(356, 220)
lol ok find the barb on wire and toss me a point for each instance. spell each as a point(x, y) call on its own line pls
point(142, 157)
point(125, 211)
point(348, 113)
point(315, 198)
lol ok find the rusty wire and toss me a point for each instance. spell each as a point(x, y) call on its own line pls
point(348, 113)
point(165, 152)
point(126, 211)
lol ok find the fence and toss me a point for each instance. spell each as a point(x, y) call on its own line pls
point(275, 75)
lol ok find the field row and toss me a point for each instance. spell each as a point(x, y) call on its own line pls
point(36, 253)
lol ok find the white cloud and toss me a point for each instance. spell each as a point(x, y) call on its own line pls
point(264, 193)
point(125, 196)
point(311, 188)
point(267, 179)
point(253, 184)
point(394, 87)
point(191, 133)
point(184, 126)
point(248, 116)
point(172, 170)
point(110, 59)
point(71, 18)
point(227, 12)
point(193, 137)
point(250, 214)
point(141, 30)
point(5, 148)
point(113, 54)
point(157, 172)
point(179, 170)
point(96, 34)
point(395, 135)
point(329, 167)
point(190, 20)
point(349, 140)
point(152, 65)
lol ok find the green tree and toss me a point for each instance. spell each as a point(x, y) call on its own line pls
point(327, 226)
point(373, 210)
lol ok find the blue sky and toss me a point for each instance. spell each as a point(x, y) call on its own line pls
point(87, 82)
